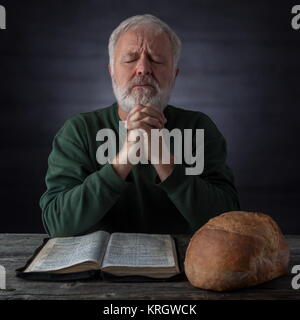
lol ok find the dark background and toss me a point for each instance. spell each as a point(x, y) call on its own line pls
point(240, 65)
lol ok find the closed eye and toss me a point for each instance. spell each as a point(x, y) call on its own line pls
point(154, 61)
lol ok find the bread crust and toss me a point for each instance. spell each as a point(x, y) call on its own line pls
point(234, 250)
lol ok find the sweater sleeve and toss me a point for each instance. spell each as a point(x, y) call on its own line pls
point(77, 195)
point(201, 197)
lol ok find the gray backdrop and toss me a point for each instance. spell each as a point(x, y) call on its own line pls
point(240, 65)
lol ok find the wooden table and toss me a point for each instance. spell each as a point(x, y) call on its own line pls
point(15, 249)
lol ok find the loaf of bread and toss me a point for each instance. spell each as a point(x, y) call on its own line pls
point(234, 250)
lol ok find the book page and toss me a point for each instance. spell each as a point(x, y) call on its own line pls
point(64, 252)
point(139, 249)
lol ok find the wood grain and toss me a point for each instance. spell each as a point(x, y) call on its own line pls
point(17, 248)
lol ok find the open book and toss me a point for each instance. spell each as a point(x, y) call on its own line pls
point(119, 254)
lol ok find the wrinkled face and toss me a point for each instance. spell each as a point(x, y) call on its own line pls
point(143, 70)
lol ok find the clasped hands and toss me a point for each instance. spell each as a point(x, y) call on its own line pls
point(139, 122)
point(144, 118)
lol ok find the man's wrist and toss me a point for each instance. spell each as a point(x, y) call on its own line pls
point(164, 170)
point(122, 169)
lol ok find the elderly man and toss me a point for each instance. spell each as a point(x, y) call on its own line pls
point(154, 197)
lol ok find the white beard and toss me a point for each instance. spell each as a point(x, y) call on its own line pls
point(144, 96)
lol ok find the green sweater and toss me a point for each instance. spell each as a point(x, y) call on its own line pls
point(83, 196)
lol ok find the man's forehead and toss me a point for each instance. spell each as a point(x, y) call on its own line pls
point(133, 51)
point(133, 40)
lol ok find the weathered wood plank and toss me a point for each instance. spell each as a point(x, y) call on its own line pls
point(17, 248)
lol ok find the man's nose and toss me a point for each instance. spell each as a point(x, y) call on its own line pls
point(143, 67)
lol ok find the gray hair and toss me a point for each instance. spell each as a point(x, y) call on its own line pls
point(143, 20)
